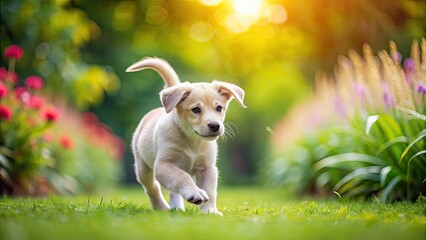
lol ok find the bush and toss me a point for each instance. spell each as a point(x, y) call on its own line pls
point(377, 148)
point(45, 148)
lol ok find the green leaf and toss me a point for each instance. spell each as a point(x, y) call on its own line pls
point(412, 113)
point(370, 122)
point(386, 145)
point(411, 159)
point(349, 157)
point(389, 126)
point(391, 185)
point(419, 136)
point(384, 174)
point(365, 172)
point(4, 162)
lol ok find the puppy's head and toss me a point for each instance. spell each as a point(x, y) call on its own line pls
point(200, 107)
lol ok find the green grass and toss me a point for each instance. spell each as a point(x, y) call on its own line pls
point(249, 213)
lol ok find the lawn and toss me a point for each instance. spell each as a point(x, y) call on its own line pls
point(249, 213)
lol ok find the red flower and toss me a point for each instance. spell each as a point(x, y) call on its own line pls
point(3, 90)
point(36, 102)
point(13, 51)
point(66, 142)
point(5, 112)
point(51, 114)
point(34, 82)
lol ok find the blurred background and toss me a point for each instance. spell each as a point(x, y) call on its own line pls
point(274, 49)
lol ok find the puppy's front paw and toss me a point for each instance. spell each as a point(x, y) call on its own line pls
point(195, 196)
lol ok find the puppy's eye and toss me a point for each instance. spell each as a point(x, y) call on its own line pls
point(219, 108)
point(196, 110)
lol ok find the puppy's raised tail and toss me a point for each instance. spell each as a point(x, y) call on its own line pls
point(163, 68)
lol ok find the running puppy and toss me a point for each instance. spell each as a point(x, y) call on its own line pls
point(178, 141)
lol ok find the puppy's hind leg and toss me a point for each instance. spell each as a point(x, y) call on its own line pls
point(176, 201)
point(145, 177)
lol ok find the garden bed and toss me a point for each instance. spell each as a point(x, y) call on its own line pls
point(249, 213)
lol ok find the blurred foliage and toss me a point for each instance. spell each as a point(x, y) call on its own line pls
point(47, 148)
point(53, 33)
point(377, 148)
point(269, 48)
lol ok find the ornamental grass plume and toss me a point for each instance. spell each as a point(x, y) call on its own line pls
point(376, 83)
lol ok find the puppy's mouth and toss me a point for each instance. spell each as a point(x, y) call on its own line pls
point(208, 136)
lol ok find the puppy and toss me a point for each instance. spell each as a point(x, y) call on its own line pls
point(177, 142)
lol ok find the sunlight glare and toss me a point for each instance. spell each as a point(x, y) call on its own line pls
point(210, 2)
point(248, 7)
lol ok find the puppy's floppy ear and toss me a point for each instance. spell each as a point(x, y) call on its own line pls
point(230, 90)
point(170, 97)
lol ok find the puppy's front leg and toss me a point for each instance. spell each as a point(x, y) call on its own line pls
point(207, 180)
point(177, 180)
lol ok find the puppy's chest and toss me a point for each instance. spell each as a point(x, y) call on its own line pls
point(193, 158)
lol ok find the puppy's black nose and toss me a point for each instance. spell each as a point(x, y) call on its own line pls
point(214, 126)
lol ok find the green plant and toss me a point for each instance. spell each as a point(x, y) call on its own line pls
point(382, 149)
point(24, 117)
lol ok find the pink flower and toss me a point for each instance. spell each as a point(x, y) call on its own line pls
point(22, 94)
point(51, 114)
point(66, 142)
point(3, 90)
point(421, 89)
point(9, 76)
point(13, 51)
point(48, 136)
point(36, 102)
point(5, 112)
point(3, 73)
point(409, 68)
point(34, 82)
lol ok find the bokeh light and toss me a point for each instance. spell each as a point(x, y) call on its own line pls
point(276, 13)
point(248, 7)
point(201, 31)
point(210, 2)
